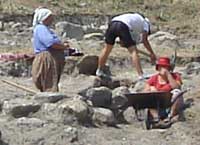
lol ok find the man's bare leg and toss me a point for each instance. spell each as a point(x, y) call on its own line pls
point(104, 55)
point(135, 59)
point(154, 114)
point(177, 106)
point(102, 60)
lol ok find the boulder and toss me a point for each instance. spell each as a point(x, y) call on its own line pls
point(100, 97)
point(74, 110)
point(31, 122)
point(118, 97)
point(67, 111)
point(129, 115)
point(67, 29)
point(162, 39)
point(49, 112)
point(139, 86)
point(20, 107)
point(102, 116)
point(49, 97)
point(88, 65)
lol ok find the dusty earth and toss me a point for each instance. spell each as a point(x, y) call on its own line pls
point(130, 133)
point(27, 120)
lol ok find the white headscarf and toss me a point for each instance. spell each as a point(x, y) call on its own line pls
point(40, 15)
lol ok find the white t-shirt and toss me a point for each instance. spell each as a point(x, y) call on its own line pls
point(136, 24)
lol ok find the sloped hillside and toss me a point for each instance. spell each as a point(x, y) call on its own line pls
point(181, 16)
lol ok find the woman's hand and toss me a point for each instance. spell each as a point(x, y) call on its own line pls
point(66, 44)
point(149, 88)
point(164, 72)
point(153, 89)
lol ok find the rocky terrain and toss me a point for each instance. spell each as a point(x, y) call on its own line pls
point(84, 112)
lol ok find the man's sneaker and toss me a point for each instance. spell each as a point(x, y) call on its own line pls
point(101, 74)
point(144, 77)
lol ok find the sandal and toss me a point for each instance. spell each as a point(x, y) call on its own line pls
point(168, 119)
point(162, 125)
point(155, 120)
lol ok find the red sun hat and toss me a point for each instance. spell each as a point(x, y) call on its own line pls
point(163, 61)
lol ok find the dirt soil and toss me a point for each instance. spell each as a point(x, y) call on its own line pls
point(180, 17)
point(181, 133)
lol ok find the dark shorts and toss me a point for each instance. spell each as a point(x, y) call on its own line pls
point(119, 29)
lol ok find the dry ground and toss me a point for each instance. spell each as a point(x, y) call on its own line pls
point(178, 15)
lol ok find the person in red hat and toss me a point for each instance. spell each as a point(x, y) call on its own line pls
point(166, 80)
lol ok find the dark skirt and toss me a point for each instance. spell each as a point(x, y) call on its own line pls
point(46, 70)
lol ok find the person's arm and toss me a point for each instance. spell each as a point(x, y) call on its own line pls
point(148, 46)
point(150, 85)
point(50, 39)
point(147, 88)
point(174, 84)
point(59, 46)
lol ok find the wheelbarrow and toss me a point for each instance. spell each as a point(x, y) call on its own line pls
point(142, 102)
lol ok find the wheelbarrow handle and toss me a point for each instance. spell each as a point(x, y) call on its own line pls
point(179, 95)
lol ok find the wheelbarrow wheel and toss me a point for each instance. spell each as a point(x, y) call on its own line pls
point(148, 123)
